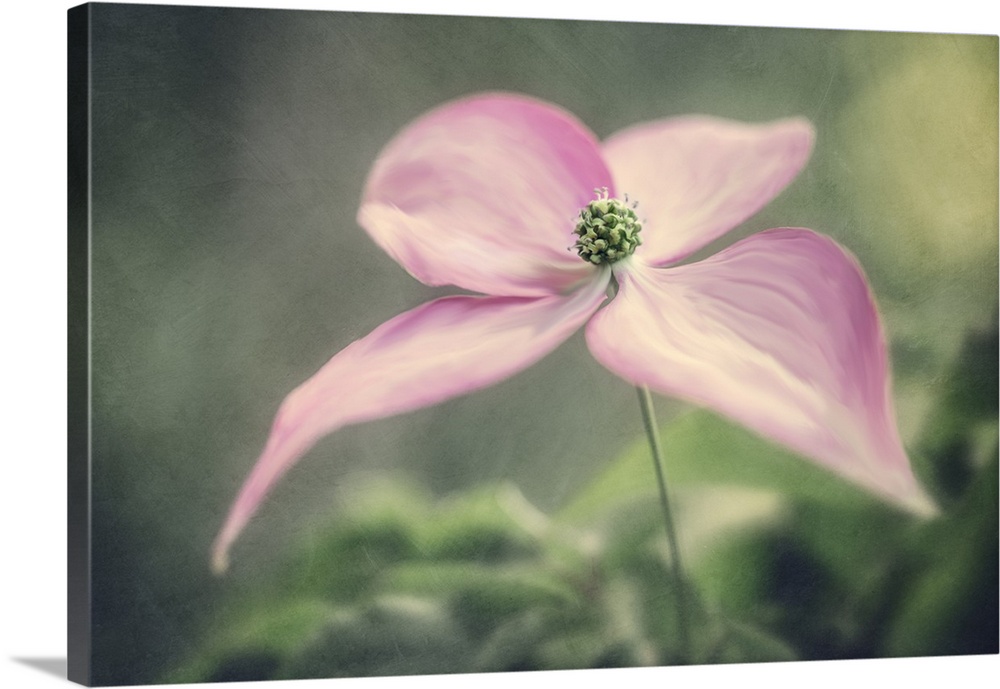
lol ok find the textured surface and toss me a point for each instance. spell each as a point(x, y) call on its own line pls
point(231, 149)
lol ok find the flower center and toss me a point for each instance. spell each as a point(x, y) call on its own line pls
point(608, 230)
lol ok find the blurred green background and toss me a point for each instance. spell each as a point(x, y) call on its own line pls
point(511, 529)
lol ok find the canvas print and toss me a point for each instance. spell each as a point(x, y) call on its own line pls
point(407, 345)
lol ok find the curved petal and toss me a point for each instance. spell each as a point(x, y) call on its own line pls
point(484, 193)
point(437, 351)
point(696, 178)
point(778, 332)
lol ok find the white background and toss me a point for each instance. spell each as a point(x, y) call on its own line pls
point(33, 350)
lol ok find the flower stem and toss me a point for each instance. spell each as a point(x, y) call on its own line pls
point(680, 583)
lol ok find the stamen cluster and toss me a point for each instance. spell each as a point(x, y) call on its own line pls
point(608, 230)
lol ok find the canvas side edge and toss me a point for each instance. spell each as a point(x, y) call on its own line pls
point(79, 619)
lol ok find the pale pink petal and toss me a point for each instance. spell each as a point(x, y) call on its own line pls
point(437, 351)
point(696, 178)
point(484, 193)
point(778, 332)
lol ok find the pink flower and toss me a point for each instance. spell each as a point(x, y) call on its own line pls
point(490, 194)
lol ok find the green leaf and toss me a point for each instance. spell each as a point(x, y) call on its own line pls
point(493, 525)
point(702, 448)
point(346, 562)
point(743, 643)
point(950, 604)
point(396, 635)
point(253, 644)
point(513, 645)
point(481, 595)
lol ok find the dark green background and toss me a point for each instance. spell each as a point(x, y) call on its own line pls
point(229, 152)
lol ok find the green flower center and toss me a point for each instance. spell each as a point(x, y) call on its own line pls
point(608, 230)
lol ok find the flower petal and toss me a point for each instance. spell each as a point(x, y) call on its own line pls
point(778, 332)
point(437, 351)
point(696, 178)
point(484, 193)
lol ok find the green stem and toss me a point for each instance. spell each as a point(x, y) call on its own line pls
point(680, 583)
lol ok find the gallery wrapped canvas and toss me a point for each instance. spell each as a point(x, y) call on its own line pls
point(409, 345)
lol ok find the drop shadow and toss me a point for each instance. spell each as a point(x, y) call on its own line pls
point(50, 666)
